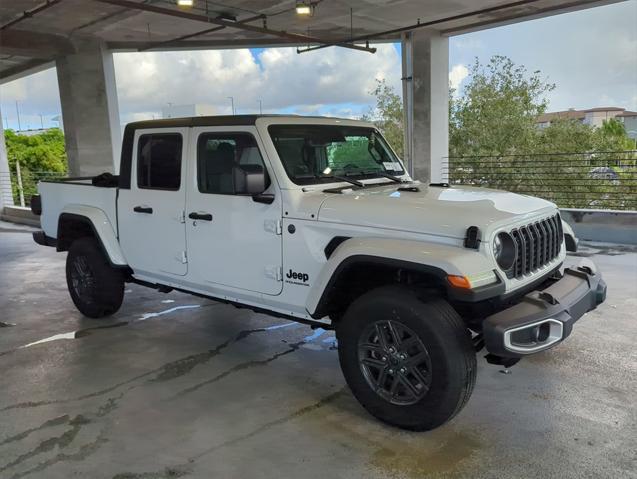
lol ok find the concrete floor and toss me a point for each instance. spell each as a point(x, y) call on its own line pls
point(176, 386)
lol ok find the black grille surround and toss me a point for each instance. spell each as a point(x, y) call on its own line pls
point(537, 244)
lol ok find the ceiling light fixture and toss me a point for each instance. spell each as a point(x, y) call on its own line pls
point(303, 8)
point(185, 3)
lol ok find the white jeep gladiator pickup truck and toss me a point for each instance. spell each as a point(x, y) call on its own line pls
point(316, 220)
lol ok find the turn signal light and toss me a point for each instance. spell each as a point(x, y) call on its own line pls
point(459, 281)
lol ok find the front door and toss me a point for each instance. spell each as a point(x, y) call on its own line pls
point(233, 241)
point(151, 213)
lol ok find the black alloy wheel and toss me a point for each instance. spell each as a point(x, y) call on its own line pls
point(82, 279)
point(395, 362)
point(407, 357)
point(95, 286)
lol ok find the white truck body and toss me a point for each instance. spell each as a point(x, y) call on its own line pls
point(244, 254)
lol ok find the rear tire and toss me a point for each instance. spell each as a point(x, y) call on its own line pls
point(409, 362)
point(96, 288)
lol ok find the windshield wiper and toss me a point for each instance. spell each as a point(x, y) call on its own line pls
point(346, 179)
point(385, 175)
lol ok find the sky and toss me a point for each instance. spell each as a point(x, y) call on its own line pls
point(590, 55)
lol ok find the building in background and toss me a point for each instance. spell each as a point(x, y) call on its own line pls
point(184, 111)
point(594, 117)
point(629, 119)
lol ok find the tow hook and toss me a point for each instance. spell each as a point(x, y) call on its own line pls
point(500, 361)
point(478, 344)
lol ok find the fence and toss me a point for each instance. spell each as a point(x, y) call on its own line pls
point(24, 183)
point(601, 180)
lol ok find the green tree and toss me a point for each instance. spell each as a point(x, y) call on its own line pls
point(42, 152)
point(388, 115)
point(41, 155)
point(612, 136)
point(495, 141)
point(582, 166)
point(565, 136)
point(497, 112)
point(492, 125)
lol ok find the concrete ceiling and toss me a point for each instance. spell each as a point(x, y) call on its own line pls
point(34, 40)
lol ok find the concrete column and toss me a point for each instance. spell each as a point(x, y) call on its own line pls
point(90, 112)
point(6, 197)
point(426, 104)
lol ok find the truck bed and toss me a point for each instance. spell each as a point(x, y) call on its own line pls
point(57, 195)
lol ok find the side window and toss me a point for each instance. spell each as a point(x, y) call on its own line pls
point(219, 154)
point(159, 161)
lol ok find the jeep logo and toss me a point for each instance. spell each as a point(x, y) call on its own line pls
point(303, 277)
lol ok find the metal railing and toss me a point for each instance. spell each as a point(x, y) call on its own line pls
point(600, 180)
point(24, 183)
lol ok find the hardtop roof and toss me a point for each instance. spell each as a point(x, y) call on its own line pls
point(217, 120)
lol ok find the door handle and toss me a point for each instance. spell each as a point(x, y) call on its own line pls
point(143, 209)
point(200, 216)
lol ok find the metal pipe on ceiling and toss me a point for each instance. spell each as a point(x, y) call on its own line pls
point(559, 8)
point(292, 37)
point(29, 13)
point(428, 24)
point(176, 40)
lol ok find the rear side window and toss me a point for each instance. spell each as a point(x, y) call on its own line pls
point(159, 161)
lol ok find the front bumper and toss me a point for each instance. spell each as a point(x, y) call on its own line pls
point(544, 318)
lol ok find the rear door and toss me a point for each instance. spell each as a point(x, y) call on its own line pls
point(232, 240)
point(151, 213)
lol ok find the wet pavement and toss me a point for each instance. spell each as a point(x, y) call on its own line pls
point(176, 386)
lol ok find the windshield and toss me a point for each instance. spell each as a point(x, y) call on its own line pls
point(321, 153)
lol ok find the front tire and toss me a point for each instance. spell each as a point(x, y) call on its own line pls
point(409, 362)
point(96, 288)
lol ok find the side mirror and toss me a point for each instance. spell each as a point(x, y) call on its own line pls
point(249, 179)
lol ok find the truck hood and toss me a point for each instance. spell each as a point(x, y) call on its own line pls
point(431, 210)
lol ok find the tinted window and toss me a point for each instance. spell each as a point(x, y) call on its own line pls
point(218, 154)
point(159, 161)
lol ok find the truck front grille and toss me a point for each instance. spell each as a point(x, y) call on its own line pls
point(537, 244)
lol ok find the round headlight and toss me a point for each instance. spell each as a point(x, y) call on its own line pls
point(504, 250)
point(497, 246)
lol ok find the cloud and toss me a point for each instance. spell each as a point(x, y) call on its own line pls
point(589, 54)
point(144, 115)
point(456, 76)
point(604, 72)
point(36, 95)
point(282, 79)
point(332, 81)
point(472, 44)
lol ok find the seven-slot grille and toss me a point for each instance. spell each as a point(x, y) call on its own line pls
point(537, 244)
